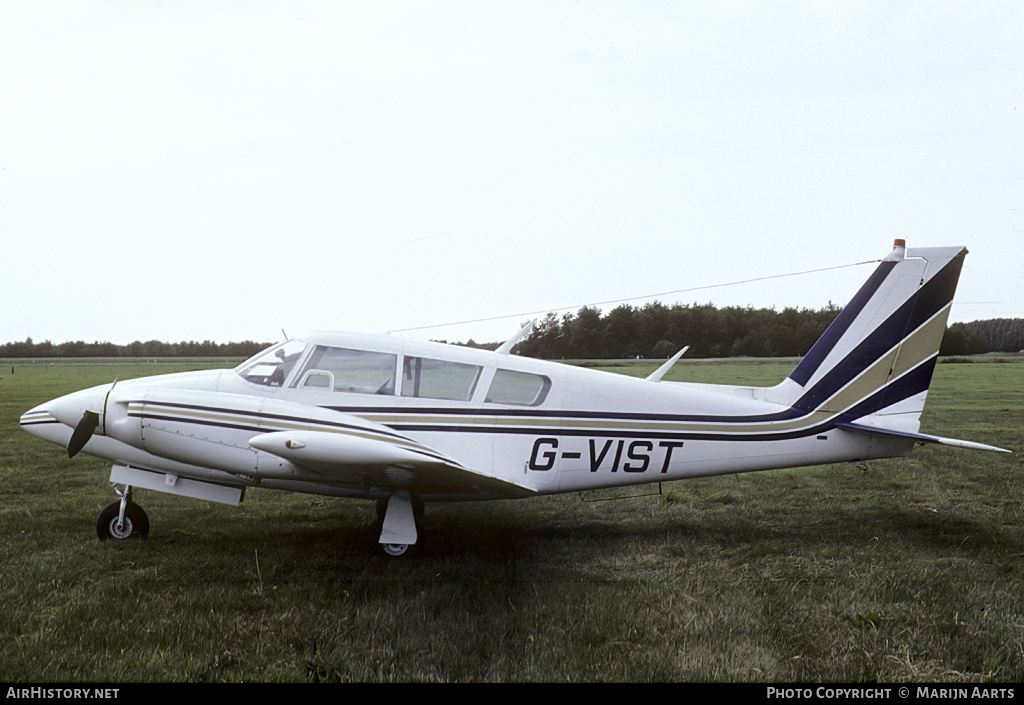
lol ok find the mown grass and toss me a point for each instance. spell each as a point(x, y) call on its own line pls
point(909, 571)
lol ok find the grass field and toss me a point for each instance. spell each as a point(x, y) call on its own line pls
point(908, 571)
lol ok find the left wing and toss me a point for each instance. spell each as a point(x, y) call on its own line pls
point(393, 462)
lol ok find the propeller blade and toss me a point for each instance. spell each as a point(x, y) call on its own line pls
point(83, 432)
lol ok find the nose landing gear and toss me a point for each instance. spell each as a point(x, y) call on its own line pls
point(122, 519)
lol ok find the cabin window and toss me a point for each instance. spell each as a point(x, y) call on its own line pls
point(345, 370)
point(520, 388)
point(271, 367)
point(438, 379)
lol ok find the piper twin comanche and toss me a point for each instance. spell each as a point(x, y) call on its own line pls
point(405, 422)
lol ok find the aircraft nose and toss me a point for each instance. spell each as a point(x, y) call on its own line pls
point(69, 409)
point(35, 419)
point(60, 419)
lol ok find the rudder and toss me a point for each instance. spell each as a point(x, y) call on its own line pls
point(878, 355)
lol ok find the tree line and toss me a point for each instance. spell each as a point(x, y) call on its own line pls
point(653, 331)
point(998, 334)
point(149, 348)
point(659, 331)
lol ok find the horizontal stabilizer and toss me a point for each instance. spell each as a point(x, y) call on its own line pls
point(921, 437)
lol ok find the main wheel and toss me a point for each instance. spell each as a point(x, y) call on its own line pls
point(396, 550)
point(136, 523)
point(392, 550)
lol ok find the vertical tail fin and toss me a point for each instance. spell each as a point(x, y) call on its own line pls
point(878, 355)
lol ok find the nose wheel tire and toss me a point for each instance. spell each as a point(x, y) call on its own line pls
point(135, 522)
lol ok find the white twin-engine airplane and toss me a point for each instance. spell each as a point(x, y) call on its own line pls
point(405, 422)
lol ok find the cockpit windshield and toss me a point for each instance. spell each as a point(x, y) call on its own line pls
point(271, 367)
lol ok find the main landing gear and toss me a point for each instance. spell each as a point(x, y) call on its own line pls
point(122, 519)
point(396, 531)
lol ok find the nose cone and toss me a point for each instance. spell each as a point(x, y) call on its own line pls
point(70, 408)
point(55, 420)
point(41, 423)
point(35, 419)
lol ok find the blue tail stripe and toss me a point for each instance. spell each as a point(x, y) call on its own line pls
point(915, 382)
point(820, 350)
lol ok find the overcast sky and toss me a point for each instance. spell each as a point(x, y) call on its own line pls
point(225, 170)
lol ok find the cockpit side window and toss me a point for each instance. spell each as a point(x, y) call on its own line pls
point(271, 367)
point(519, 388)
point(439, 379)
point(346, 370)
